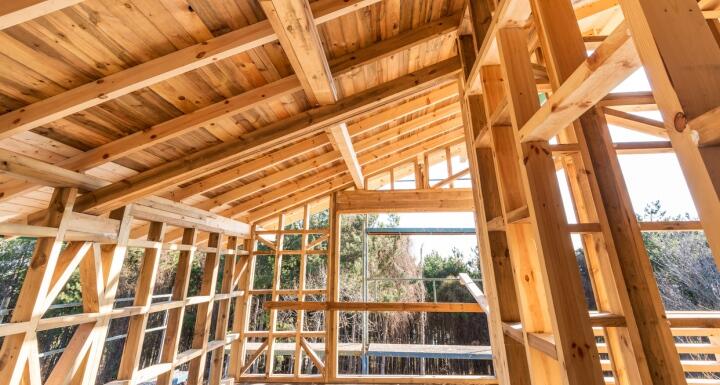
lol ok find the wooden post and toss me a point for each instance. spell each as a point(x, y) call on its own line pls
point(111, 258)
point(19, 351)
point(566, 307)
point(509, 355)
point(510, 360)
point(333, 293)
point(143, 297)
point(221, 326)
point(623, 281)
point(242, 304)
point(175, 316)
point(204, 310)
point(300, 317)
point(682, 60)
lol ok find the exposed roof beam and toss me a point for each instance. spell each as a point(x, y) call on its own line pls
point(50, 175)
point(204, 161)
point(230, 175)
point(611, 63)
point(270, 208)
point(159, 69)
point(418, 35)
point(232, 106)
point(248, 168)
point(299, 38)
point(635, 122)
point(384, 163)
point(36, 171)
point(339, 136)
point(218, 202)
point(14, 12)
point(426, 140)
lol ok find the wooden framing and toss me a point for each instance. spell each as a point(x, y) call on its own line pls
point(215, 137)
point(293, 22)
point(403, 201)
point(17, 12)
point(340, 137)
point(157, 70)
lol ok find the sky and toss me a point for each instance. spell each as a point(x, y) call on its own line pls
point(649, 177)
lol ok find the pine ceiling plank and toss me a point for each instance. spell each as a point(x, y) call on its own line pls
point(14, 12)
point(157, 70)
point(298, 35)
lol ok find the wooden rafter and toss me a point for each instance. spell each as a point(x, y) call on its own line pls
point(366, 124)
point(340, 137)
point(204, 161)
point(19, 11)
point(293, 23)
point(157, 70)
point(227, 108)
point(318, 185)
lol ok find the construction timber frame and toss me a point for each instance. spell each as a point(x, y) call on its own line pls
point(206, 127)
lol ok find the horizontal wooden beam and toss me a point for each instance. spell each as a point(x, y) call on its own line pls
point(366, 124)
point(429, 307)
point(38, 172)
point(14, 12)
point(151, 209)
point(391, 46)
point(404, 201)
point(264, 139)
point(159, 69)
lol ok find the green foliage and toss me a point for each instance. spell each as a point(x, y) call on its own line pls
point(684, 267)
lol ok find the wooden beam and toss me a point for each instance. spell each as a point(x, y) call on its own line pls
point(152, 208)
point(19, 11)
point(273, 135)
point(607, 67)
point(565, 306)
point(230, 107)
point(35, 171)
point(429, 307)
point(404, 201)
point(339, 136)
point(364, 125)
point(682, 60)
point(158, 70)
point(298, 35)
point(594, 7)
point(349, 63)
point(634, 122)
point(622, 278)
point(263, 205)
